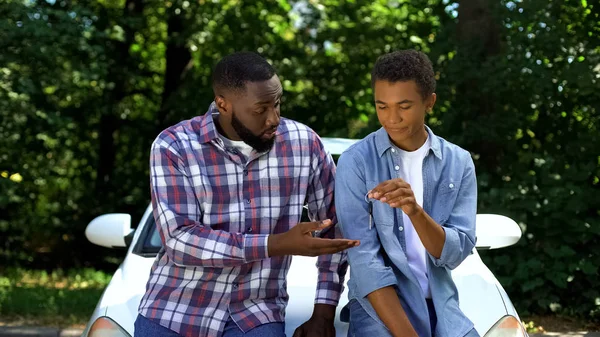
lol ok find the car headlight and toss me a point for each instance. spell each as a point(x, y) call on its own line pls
point(507, 326)
point(106, 327)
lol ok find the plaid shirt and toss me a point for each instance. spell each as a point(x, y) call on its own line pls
point(214, 212)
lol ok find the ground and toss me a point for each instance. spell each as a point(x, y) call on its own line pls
point(558, 324)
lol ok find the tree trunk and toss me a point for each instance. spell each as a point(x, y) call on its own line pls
point(119, 74)
point(479, 40)
point(477, 27)
point(179, 61)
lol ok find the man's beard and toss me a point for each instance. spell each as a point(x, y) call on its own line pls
point(257, 143)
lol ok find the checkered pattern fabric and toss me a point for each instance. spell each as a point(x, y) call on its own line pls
point(214, 210)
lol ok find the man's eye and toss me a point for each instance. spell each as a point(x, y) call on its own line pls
point(381, 107)
point(261, 111)
point(405, 107)
point(278, 103)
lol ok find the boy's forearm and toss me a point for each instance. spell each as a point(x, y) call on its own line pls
point(432, 235)
point(387, 305)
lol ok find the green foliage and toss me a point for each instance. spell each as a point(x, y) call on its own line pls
point(85, 86)
point(538, 148)
point(55, 298)
point(532, 328)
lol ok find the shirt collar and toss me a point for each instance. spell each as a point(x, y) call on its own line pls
point(383, 143)
point(208, 129)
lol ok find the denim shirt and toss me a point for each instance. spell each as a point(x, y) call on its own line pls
point(449, 197)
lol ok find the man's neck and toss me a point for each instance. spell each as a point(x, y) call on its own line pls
point(226, 131)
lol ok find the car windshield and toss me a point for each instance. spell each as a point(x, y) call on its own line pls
point(149, 243)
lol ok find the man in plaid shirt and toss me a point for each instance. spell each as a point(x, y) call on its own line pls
point(228, 190)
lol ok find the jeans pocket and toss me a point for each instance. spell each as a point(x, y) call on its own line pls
point(363, 325)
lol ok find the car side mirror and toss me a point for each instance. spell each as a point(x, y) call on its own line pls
point(110, 230)
point(496, 231)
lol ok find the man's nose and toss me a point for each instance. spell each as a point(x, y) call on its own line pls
point(273, 119)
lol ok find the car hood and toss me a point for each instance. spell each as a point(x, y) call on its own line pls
point(477, 286)
point(482, 298)
point(122, 297)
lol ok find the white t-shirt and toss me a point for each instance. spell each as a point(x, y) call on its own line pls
point(409, 166)
point(239, 145)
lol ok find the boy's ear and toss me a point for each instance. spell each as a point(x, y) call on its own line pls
point(430, 103)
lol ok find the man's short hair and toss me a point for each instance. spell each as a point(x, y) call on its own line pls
point(233, 71)
point(403, 66)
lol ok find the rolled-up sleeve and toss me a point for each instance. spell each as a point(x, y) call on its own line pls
point(320, 200)
point(367, 267)
point(460, 226)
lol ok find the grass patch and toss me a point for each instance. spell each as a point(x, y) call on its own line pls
point(60, 299)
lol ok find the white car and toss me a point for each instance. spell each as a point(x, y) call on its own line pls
point(482, 298)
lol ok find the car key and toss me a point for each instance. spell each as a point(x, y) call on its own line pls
point(370, 215)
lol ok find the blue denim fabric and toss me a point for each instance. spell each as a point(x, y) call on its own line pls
point(432, 315)
point(449, 197)
point(265, 330)
point(144, 327)
point(361, 324)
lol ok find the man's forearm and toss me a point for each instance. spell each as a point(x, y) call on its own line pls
point(326, 311)
point(233, 249)
point(332, 270)
point(431, 234)
point(387, 305)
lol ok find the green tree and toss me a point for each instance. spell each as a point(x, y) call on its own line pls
point(517, 89)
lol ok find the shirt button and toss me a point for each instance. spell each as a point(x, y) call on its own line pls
point(401, 228)
point(396, 167)
point(247, 201)
point(250, 230)
point(245, 172)
point(393, 150)
point(235, 286)
point(451, 185)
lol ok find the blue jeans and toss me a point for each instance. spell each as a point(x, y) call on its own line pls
point(144, 327)
point(432, 316)
point(362, 324)
point(265, 330)
point(147, 328)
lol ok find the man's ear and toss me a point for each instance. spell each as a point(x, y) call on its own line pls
point(222, 104)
